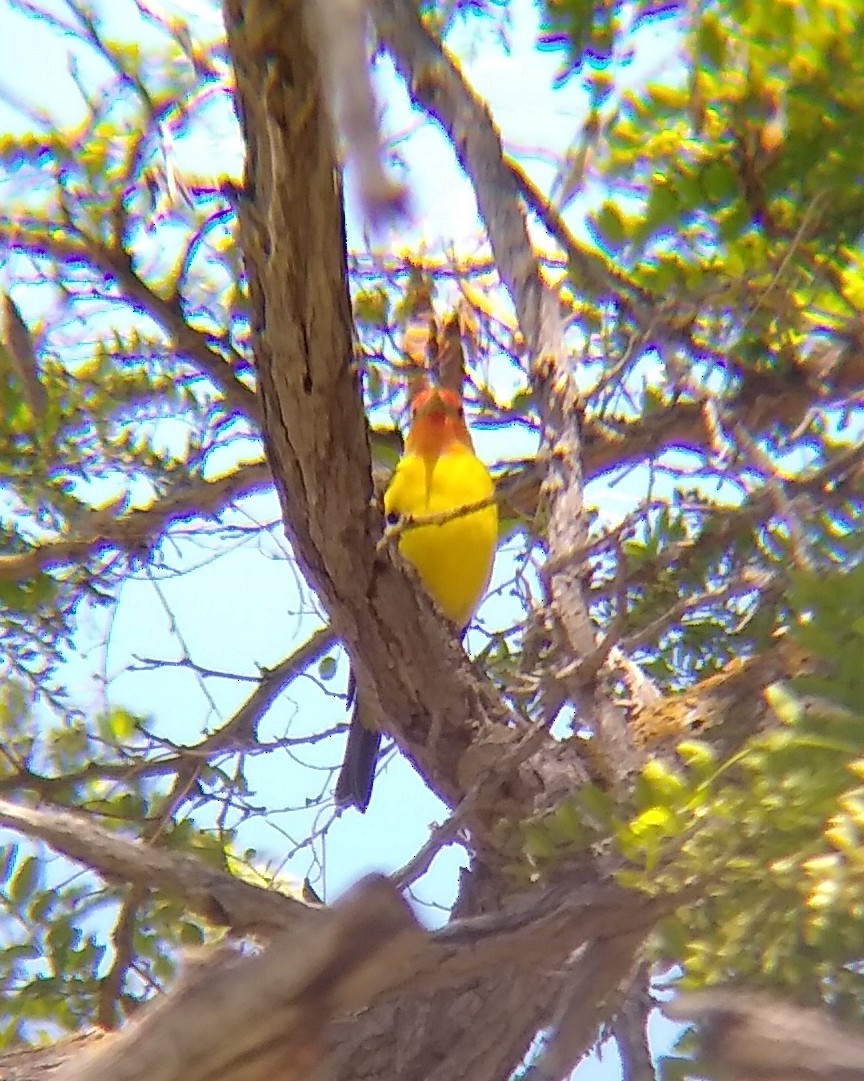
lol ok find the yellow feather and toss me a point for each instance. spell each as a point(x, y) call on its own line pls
point(453, 559)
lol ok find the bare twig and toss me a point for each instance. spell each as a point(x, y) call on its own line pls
point(241, 729)
point(630, 1029)
point(744, 580)
point(492, 777)
point(32, 237)
point(436, 83)
point(21, 350)
point(777, 487)
point(123, 942)
point(409, 522)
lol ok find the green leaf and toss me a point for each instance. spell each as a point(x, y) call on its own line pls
point(720, 181)
point(191, 935)
point(26, 880)
point(372, 307)
point(612, 226)
point(327, 667)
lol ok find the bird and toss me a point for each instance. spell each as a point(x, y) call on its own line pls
point(438, 474)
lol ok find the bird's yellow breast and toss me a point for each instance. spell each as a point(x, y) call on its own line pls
point(453, 559)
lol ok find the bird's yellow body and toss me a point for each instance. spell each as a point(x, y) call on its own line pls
point(453, 559)
point(438, 474)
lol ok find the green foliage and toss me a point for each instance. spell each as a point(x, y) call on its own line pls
point(96, 239)
point(101, 234)
point(737, 185)
point(55, 962)
point(831, 627)
point(769, 844)
point(587, 32)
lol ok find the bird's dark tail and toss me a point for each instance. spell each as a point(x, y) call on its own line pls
point(357, 775)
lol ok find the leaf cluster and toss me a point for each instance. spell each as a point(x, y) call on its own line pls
point(770, 839)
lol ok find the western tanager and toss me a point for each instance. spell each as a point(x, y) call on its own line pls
point(438, 474)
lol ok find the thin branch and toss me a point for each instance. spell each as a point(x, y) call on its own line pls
point(139, 529)
point(587, 264)
point(776, 485)
point(194, 344)
point(409, 522)
point(123, 941)
point(57, 789)
point(240, 732)
point(630, 1029)
point(436, 84)
point(744, 580)
point(589, 993)
point(242, 728)
point(489, 781)
point(32, 237)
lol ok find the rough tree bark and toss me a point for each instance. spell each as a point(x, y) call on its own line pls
point(466, 1001)
point(236, 1016)
point(436, 704)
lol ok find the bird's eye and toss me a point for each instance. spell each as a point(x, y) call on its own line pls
point(393, 517)
point(460, 413)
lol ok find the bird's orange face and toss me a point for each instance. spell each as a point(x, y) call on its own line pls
point(437, 421)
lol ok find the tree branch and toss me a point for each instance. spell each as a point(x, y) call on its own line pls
point(414, 677)
point(213, 894)
point(32, 237)
point(757, 1038)
point(138, 529)
point(237, 1017)
point(253, 1017)
point(192, 343)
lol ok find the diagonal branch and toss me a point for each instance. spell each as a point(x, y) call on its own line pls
point(237, 1017)
point(193, 498)
point(240, 732)
point(241, 729)
point(213, 894)
point(32, 237)
point(252, 1017)
point(550, 923)
point(192, 343)
point(751, 1036)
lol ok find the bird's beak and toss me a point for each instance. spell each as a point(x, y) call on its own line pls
point(433, 406)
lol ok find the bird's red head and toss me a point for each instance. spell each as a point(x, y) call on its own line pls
point(437, 422)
